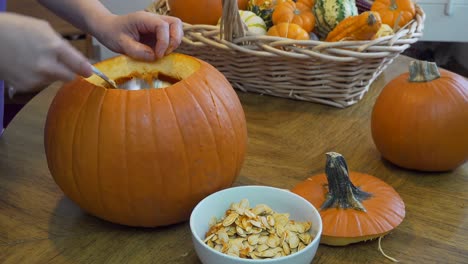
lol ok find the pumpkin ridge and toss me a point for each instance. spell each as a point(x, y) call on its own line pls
point(160, 180)
point(98, 134)
point(237, 153)
point(52, 124)
point(184, 144)
point(208, 124)
point(358, 224)
point(126, 166)
point(73, 173)
point(237, 169)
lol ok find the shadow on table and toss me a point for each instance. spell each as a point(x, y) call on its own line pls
point(82, 238)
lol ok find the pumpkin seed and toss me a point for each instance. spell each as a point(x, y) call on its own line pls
point(256, 233)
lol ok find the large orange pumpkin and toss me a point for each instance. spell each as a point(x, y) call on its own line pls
point(200, 11)
point(420, 119)
point(146, 157)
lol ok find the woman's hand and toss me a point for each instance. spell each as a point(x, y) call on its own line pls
point(141, 35)
point(32, 54)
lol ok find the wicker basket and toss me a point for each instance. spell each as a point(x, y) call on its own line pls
point(332, 73)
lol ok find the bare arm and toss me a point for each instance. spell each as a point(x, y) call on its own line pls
point(141, 35)
point(83, 14)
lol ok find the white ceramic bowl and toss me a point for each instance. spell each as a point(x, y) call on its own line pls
point(280, 200)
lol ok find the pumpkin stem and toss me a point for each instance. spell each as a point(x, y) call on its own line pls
point(371, 20)
point(341, 191)
point(393, 5)
point(423, 71)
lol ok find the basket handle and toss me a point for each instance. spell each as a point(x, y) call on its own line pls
point(231, 24)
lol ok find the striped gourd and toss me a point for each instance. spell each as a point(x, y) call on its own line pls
point(329, 13)
point(255, 24)
point(263, 9)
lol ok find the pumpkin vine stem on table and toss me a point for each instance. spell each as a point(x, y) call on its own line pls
point(341, 191)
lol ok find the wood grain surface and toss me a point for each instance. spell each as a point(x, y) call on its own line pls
point(287, 143)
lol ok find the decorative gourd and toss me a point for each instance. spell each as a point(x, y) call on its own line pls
point(420, 119)
point(264, 9)
point(354, 206)
point(296, 13)
point(384, 30)
point(146, 157)
point(389, 11)
point(200, 11)
point(255, 24)
point(360, 27)
point(329, 13)
point(288, 30)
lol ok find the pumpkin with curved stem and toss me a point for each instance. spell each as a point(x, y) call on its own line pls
point(354, 206)
point(360, 27)
point(200, 11)
point(146, 157)
point(420, 119)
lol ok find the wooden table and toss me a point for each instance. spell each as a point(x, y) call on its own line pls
point(287, 143)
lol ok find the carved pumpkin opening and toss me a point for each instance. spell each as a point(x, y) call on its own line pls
point(122, 69)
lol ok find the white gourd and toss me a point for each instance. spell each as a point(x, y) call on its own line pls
point(255, 24)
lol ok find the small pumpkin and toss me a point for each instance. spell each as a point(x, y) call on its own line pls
point(420, 119)
point(297, 13)
point(354, 206)
point(200, 11)
point(288, 30)
point(389, 11)
point(146, 157)
point(360, 27)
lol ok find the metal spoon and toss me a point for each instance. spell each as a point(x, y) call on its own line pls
point(132, 84)
point(103, 76)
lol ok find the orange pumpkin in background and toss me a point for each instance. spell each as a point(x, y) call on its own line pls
point(420, 119)
point(200, 11)
point(146, 157)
